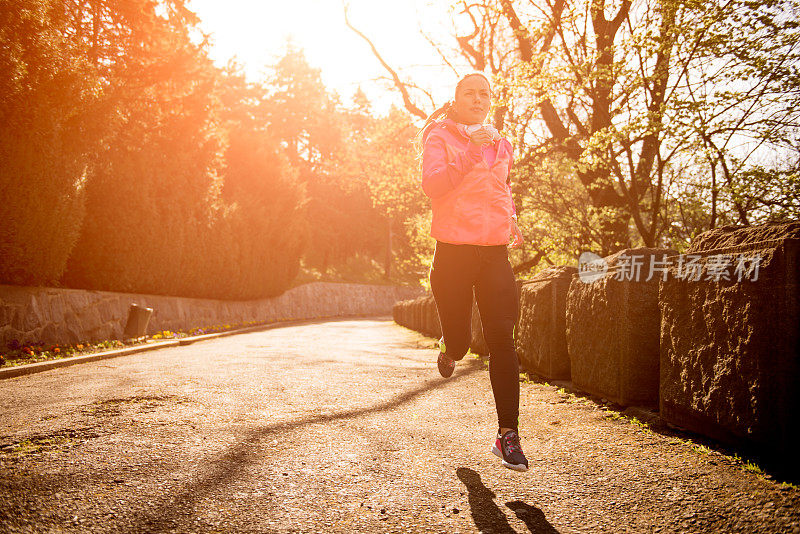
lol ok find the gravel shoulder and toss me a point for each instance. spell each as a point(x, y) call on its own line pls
point(345, 426)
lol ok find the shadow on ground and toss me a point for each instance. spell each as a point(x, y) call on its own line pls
point(488, 517)
point(165, 514)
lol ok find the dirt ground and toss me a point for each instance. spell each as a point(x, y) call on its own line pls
point(346, 426)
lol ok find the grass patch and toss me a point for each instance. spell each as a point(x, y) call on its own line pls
point(43, 443)
point(615, 415)
point(35, 445)
point(144, 403)
point(753, 468)
point(641, 425)
point(701, 449)
point(747, 465)
point(571, 398)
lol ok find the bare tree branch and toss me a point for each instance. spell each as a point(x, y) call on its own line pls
point(402, 87)
point(439, 51)
point(475, 58)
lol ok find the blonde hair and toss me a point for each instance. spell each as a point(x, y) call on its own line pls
point(445, 110)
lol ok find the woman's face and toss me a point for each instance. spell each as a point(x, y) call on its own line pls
point(472, 100)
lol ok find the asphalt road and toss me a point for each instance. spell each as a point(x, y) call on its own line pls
point(344, 426)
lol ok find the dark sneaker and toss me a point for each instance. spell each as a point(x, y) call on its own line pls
point(508, 449)
point(446, 365)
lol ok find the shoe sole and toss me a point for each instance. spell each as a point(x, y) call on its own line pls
point(447, 372)
point(516, 467)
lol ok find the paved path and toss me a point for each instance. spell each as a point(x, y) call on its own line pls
point(343, 426)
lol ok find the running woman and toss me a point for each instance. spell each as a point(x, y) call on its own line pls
point(465, 173)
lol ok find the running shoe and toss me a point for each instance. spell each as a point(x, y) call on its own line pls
point(446, 365)
point(508, 449)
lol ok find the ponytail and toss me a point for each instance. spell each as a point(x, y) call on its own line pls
point(422, 134)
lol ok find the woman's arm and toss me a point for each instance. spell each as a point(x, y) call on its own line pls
point(439, 176)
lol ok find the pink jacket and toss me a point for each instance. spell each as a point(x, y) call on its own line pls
point(469, 190)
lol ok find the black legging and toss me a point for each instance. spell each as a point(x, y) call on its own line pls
point(455, 270)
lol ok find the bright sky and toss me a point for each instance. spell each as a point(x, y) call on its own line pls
point(256, 32)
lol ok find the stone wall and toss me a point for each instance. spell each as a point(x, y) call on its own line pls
point(541, 340)
point(730, 348)
point(54, 315)
point(613, 331)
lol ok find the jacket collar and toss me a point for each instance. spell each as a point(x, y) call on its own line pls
point(452, 126)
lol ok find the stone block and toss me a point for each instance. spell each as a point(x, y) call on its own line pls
point(80, 299)
point(108, 311)
point(58, 308)
point(432, 326)
point(101, 332)
point(397, 313)
point(116, 331)
point(407, 312)
point(541, 333)
point(30, 317)
point(413, 322)
point(612, 330)
point(8, 334)
point(422, 325)
point(74, 334)
point(410, 313)
point(730, 348)
point(89, 318)
point(50, 334)
point(8, 314)
point(422, 306)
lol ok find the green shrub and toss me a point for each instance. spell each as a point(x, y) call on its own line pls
point(45, 112)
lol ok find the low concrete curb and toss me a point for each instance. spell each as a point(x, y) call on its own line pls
point(22, 370)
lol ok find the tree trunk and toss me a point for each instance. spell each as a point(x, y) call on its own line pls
point(388, 262)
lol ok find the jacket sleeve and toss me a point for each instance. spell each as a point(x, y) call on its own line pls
point(440, 176)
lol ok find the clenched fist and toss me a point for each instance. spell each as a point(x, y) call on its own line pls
point(481, 137)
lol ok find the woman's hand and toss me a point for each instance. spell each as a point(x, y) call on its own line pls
point(481, 137)
point(518, 238)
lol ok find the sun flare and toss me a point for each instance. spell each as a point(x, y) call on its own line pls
point(256, 34)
